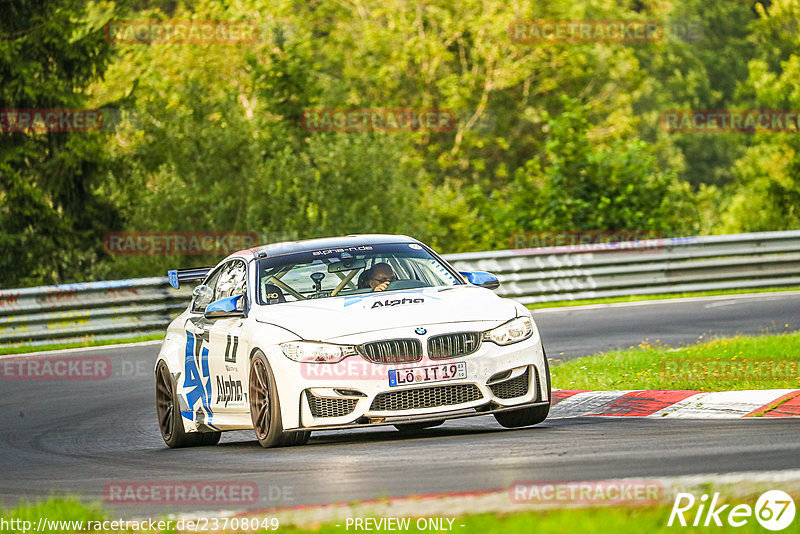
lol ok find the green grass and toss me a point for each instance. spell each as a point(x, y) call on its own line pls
point(78, 345)
point(617, 519)
point(54, 508)
point(661, 296)
point(763, 362)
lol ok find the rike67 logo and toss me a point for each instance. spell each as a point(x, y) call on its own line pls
point(774, 510)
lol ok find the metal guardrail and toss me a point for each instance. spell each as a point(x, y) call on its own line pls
point(670, 265)
point(93, 310)
point(101, 310)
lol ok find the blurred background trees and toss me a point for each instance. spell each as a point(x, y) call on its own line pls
point(550, 136)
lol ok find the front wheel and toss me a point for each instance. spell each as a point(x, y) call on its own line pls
point(169, 415)
point(265, 408)
point(528, 416)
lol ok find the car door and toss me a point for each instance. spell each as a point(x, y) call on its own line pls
point(196, 380)
point(227, 350)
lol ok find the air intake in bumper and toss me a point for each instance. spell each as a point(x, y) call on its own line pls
point(330, 407)
point(513, 387)
point(429, 397)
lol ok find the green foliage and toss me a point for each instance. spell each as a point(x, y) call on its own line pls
point(766, 192)
point(51, 205)
point(582, 185)
point(550, 135)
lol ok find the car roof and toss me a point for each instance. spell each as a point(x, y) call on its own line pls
point(308, 245)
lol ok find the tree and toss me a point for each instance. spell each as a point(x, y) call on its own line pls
point(580, 185)
point(766, 192)
point(53, 213)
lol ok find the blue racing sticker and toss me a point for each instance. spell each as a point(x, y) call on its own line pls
point(198, 379)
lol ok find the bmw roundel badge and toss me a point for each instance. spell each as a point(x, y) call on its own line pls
point(421, 331)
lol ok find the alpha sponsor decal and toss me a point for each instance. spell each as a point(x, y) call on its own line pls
point(355, 299)
point(388, 303)
point(229, 390)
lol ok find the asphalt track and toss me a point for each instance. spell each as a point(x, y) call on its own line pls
point(579, 331)
point(77, 436)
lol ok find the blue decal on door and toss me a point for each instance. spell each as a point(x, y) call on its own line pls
point(198, 379)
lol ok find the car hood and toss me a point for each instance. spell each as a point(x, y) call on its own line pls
point(329, 318)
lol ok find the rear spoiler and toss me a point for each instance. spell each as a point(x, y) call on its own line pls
point(176, 276)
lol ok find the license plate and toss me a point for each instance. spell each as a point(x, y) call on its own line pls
point(434, 373)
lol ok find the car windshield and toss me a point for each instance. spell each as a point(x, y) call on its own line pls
point(349, 271)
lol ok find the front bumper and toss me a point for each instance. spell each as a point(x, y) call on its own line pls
point(356, 392)
point(486, 409)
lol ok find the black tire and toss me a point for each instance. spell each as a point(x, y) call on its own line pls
point(265, 407)
point(210, 438)
point(168, 412)
point(291, 439)
point(410, 428)
point(528, 416)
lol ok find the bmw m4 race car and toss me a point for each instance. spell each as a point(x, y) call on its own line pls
point(342, 333)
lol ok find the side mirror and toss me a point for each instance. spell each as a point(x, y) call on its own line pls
point(346, 265)
point(480, 278)
point(227, 307)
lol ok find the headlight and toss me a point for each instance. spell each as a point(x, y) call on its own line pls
point(310, 352)
point(513, 331)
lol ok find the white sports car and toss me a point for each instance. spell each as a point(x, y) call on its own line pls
point(341, 333)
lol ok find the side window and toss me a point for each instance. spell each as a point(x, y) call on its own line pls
point(227, 281)
point(232, 280)
point(200, 301)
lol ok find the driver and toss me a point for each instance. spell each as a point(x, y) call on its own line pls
point(379, 276)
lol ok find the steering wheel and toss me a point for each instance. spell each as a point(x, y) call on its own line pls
point(405, 284)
